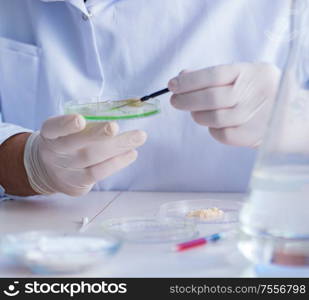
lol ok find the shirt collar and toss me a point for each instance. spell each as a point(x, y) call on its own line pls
point(53, 0)
point(77, 3)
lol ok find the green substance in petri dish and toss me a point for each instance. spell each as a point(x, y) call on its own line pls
point(113, 110)
point(99, 118)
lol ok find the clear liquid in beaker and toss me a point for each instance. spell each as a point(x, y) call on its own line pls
point(279, 200)
point(275, 221)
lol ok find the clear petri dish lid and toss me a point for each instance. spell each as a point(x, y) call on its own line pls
point(55, 253)
point(150, 230)
point(203, 211)
point(113, 110)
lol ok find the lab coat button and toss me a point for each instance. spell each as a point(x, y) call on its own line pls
point(86, 17)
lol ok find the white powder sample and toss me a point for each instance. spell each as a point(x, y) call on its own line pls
point(206, 214)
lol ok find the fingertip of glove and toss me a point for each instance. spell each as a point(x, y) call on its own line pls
point(79, 120)
point(132, 155)
point(62, 125)
point(139, 137)
point(173, 101)
point(173, 85)
point(73, 122)
point(111, 128)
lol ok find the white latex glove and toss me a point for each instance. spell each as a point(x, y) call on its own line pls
point(234, 101)
point(69, 157)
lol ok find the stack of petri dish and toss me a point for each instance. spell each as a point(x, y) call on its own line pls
point(150, 230)
point(173, 222)
point(48, 253)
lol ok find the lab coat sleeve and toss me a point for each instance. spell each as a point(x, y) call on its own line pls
point(7, 130)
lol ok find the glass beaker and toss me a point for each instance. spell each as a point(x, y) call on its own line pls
point(275, 218)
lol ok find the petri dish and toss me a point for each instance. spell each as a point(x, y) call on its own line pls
point(149, 230)
point(181, 209)
point(54, 253)
point(112, 110)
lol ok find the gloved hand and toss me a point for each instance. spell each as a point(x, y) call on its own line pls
point(234, 101)
point(69, 157)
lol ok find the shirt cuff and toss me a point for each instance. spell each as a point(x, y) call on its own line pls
point(3, 196)
point(7, 130)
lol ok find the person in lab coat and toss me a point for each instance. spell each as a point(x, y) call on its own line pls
point(216, 57)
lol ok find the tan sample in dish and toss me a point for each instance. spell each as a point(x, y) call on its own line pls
point(206, 214)
point(135, 102)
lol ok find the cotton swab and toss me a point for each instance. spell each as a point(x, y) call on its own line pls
point(84, 223)
point(153, 95)
point(140, 100)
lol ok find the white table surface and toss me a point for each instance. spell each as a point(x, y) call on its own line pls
point(133, 260)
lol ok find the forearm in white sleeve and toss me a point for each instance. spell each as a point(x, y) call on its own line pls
point(7, 130)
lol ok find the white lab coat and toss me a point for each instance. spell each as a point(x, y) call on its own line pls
point(63, 49)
